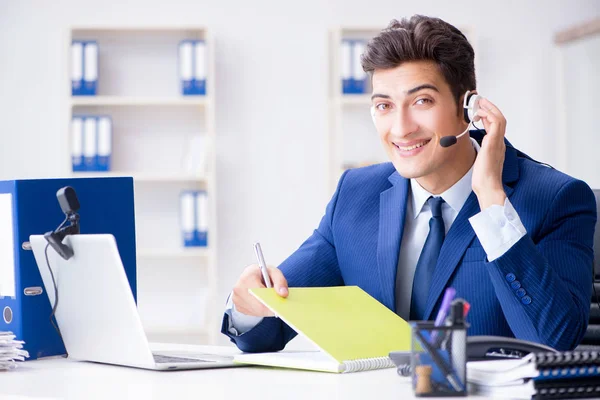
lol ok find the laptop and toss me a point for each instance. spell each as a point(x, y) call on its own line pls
point(96, 313)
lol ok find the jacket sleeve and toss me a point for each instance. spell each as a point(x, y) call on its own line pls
point(544, 285)
point(314, 264)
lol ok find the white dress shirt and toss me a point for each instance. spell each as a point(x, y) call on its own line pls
point(498, 228)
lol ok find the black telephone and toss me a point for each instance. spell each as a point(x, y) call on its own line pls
point(481, 348)
point(498, 347)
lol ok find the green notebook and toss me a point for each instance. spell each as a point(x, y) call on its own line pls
point(352, 330)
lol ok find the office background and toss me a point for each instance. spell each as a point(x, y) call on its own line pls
point(272, 89)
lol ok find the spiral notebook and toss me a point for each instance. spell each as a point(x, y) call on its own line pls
point(567, 374)
point(351, 330)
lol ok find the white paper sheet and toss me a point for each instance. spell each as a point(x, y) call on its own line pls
point(7, 247)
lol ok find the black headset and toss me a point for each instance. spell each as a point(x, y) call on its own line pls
point(470, 108)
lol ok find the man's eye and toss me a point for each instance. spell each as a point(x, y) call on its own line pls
point(423, 101)
point(382, 106)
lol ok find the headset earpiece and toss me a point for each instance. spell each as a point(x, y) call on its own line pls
point(471, 106)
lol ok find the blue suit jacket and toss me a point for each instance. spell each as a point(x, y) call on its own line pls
point(358, 243)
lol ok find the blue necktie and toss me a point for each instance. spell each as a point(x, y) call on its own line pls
point(427, 260)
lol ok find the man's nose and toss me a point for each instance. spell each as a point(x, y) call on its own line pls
point(403, 124)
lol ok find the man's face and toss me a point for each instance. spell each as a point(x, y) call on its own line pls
point(414, 108)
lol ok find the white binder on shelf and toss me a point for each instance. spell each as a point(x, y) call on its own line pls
point(186, 67)
point(90, 68)
point(359, 77)
point(104, 143)
point(76, 68)
point(77, 144)
point(90, 143)
point(346, 66)
point(187, 217)
point(201, 226)
point(199, 67)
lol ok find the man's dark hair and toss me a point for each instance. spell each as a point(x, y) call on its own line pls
point(424, 38)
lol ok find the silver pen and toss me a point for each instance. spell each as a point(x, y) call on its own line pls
point(262, 265)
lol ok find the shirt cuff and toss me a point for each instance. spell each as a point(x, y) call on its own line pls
point(498, 228)
point(239, 323)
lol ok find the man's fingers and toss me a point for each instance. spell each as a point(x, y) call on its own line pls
point(279, 282)
point(488, 118)
point(256, 309)
point(489, 106)
point(248, 304)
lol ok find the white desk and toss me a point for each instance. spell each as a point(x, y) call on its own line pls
point(67, 379)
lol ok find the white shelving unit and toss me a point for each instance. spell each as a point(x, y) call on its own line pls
point(353, 141)
point(351, 132)
point(154, 127)
point(136, 101)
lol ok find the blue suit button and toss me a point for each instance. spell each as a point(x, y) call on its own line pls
point(515, 285)
point(521, 292)
point(526, 300)
point(511, 277)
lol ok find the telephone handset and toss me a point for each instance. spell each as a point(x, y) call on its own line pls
point(480, 348)
point(498, 347)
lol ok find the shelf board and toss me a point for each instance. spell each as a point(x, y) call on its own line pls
point(181, 253)
point(143, 177)
point(200, 101)
point(141, 28)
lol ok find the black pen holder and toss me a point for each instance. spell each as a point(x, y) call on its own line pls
point(438, 359)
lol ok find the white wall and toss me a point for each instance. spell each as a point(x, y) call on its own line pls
point(271, 61)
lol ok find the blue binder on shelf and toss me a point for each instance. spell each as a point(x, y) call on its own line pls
point(186, 216)
point(77, 144)
point(84, 68)
point(201, 225)
point(90, 143)
point(29, 207)
point(199, 67)
point(192, 67)
point(77, 68)
point(90, 68)
point(186, 67)
point(359, 76)
point(194, 218)
point(354, 79)
point(346, 66)
point(104, 143)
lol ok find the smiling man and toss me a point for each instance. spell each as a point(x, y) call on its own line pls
point(512, 236)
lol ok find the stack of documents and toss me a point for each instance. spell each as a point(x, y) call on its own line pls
point(569, 374)
point(11, 350)
point(503, 378)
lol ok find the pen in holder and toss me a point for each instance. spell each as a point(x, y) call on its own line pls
point(439, 361)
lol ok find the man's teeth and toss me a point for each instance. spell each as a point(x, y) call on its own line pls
point(413, 147)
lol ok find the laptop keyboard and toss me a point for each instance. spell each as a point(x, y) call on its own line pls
point(162, 359)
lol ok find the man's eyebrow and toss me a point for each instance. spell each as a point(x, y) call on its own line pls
point(421, 87)
point(383, 96)
point(408, 92)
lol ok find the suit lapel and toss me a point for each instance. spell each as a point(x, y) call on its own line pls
point(455, 244)
point(392, 209)
point(461, 233)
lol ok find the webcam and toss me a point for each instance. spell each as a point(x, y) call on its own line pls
point(69, 204)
